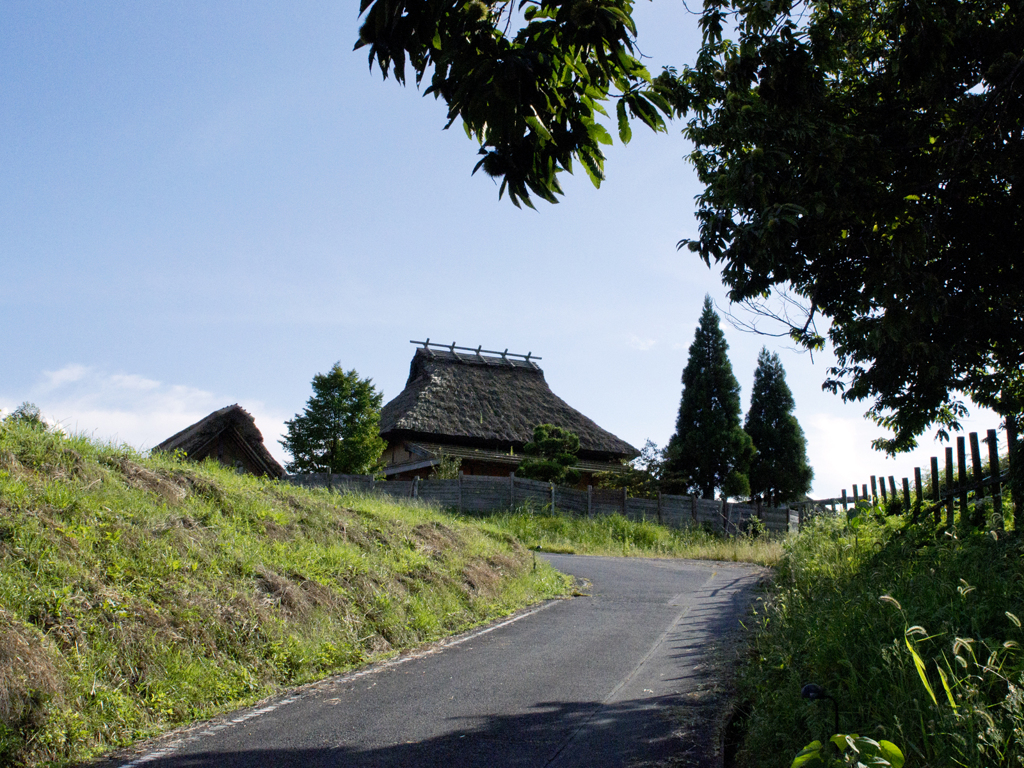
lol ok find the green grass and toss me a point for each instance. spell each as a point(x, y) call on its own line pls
point(850, 610)
point(617, 535)
point(138, 594)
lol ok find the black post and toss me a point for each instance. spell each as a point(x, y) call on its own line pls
point(919, 487)
point(935, 488)
point(949, 487)
point(961, 457)
point(978, 518)
point(993, 470)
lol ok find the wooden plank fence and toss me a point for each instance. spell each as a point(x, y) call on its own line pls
point(978, 492)
point(478, 493)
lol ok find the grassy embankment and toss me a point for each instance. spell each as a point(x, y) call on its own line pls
point(137, 594)
point(619, 536)
point(850, 609)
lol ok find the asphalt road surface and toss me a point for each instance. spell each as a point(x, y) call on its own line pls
point(596, 681)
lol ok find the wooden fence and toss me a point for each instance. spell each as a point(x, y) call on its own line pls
point(962, 485)
point(478, 493)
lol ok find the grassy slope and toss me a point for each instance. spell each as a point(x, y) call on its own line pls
point(138, 594)
point(617, 535)
point(845, 604)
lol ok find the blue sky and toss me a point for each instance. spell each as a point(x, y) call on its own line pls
point(208, 203)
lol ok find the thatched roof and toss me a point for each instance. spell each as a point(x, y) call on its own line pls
point(489, 402)
point(233, 426)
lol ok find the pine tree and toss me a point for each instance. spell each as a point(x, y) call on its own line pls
point(551, 457)
point(709, 451)
point(779, 470)
point(339, 429)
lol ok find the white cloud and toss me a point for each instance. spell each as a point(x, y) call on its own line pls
point(129, 408)
point(66, 375)
point(644, 345)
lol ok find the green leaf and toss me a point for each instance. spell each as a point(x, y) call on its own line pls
point(592, 167)
point(919, 663)
point(599, 133)
point(625, 132)
point(945, 684)
point(891, 753)
point(538, 127)
point(808, 756)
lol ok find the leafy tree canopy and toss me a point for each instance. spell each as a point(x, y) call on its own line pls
point(779, 469)
point(709, 450)
point(339, 429)
point(864, 154)
point(26, 413)
point(551, 457)
point(641, 477)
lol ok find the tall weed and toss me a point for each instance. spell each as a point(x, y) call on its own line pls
point(913, 630)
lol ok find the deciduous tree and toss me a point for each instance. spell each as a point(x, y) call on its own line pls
point(779, 469)
point(640, 478)
point(867, 155)
point(709, 450)
point(339, 429)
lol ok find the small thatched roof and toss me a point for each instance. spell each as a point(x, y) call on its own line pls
point(232, 425)
point(477, 400)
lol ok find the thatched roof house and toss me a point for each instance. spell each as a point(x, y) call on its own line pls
point(230, 436)
point(482, 407)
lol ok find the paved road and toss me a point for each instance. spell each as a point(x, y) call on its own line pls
point(584, 682)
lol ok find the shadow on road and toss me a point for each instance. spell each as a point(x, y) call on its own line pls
point(553, 734)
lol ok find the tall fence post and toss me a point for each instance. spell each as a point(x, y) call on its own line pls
point(590, 501)
point(460, 492)
point(961, 457)
point(624, 497)
point(844, 501)
point(416, 487)
point(660, 520)
point(693, 508)
point(949, 486)
point(511, 490)
point(552, 497)
point(935, 489)
point(906, 497)
point(978, 518)
point(919, 488)
point(874, 489)
point(993, 470)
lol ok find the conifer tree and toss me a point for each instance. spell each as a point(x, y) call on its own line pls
point(779, 470)
point(551, 457)
point(709, 451)
point(339, 429)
